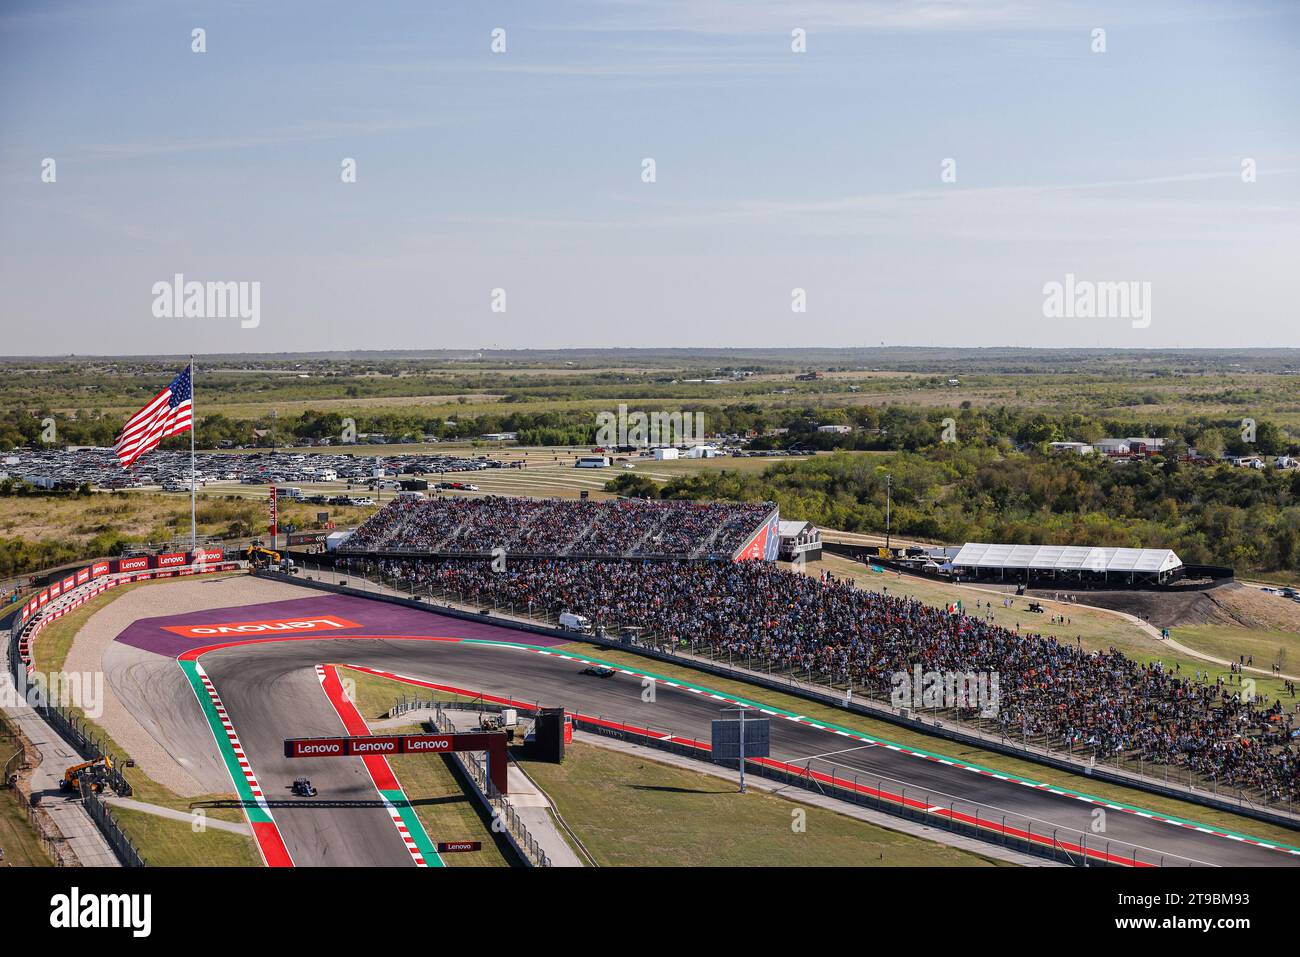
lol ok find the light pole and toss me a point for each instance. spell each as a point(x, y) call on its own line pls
point(889, 496)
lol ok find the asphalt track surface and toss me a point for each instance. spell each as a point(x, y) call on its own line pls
point(270, 691)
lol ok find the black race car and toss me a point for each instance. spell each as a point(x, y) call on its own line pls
point(302, 787)
point(598, 672)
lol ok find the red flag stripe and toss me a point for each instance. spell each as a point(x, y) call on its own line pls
point(137, 421)
point(156, 421)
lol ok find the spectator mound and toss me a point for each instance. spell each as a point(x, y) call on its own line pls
point(1234, 605)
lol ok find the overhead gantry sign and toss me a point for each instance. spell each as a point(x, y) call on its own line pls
point(382, 745)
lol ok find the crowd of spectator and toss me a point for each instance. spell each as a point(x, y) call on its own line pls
point(1100, 703)
point(630, 528)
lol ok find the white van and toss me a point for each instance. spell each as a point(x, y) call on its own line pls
point(571, 622)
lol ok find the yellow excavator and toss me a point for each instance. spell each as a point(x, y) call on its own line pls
point(95, 772)
point(259, 556)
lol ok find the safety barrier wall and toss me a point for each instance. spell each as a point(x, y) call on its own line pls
point(160, 565)
point(32, 619)
point(868, 709)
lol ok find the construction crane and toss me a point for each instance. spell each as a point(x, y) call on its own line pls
point(258, 556)
point(95, 772)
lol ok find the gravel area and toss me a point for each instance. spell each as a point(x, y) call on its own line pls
point(175, 597)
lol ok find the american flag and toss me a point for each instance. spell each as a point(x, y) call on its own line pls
point(168, 413)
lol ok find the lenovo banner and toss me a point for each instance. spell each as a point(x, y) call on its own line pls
point(99, 568)
point(273, 508)
point(320, 623)
point(375, 744)
point(172, 560)
point(137, 564)
point(493, 742)
point(316, 748)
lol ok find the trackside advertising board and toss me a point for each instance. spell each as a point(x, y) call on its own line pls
point(391, 744)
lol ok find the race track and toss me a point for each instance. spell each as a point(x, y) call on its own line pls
point(265, 677)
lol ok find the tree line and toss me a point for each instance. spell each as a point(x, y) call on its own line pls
point(1217, 514)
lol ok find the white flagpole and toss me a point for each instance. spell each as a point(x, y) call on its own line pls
point(194, 424)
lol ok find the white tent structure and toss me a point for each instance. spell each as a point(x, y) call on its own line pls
point(1067, 563)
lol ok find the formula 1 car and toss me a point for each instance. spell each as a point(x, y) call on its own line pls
point(597, 672)
point(302, 787)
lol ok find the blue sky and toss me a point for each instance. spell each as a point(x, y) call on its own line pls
point(522, 171)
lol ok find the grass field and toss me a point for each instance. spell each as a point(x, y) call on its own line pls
point(630, 811)
point(1267, 645)
point(1115, 384)
point(17, 839)
point(18, 842)
point(972, 755)
point(374, 695)
point(163, 842)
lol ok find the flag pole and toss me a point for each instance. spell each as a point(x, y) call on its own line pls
point(194, 424)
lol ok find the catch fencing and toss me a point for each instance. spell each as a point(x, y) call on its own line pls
point(99, 813)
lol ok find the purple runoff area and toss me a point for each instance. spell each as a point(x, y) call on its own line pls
point(371, 617)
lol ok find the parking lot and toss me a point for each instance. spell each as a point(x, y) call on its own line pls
point(170, 470)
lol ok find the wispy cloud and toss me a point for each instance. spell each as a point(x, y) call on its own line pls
point(297, 133)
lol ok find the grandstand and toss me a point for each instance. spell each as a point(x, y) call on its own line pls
point(1057, 694)
point(551, 528)
point(1046, 566)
